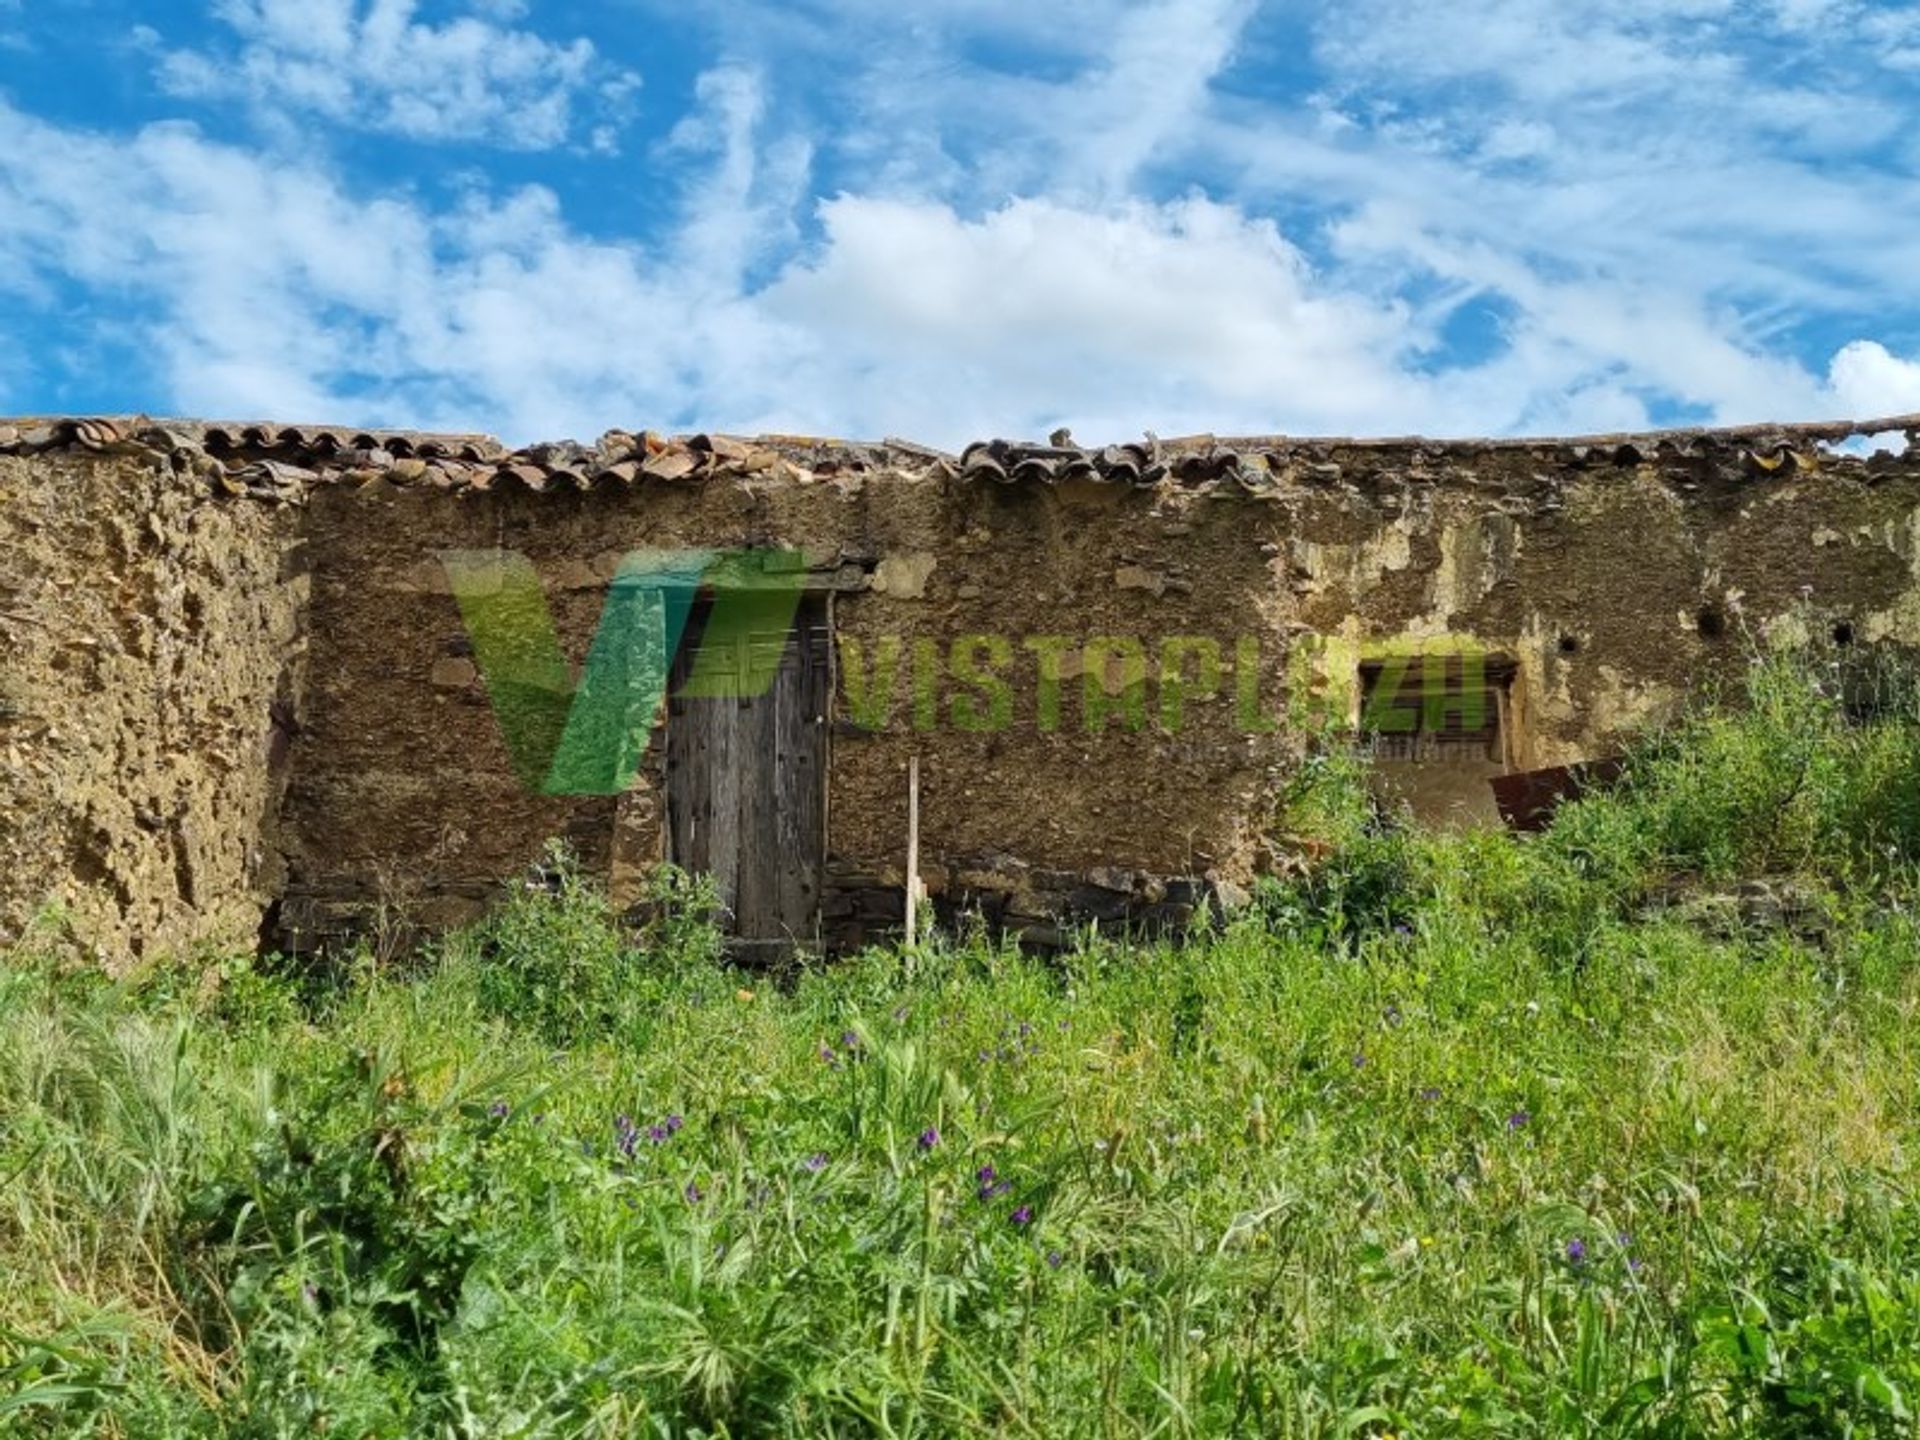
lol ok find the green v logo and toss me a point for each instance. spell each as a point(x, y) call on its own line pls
point(588, 738)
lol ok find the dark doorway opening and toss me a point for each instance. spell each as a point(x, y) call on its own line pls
point(1438, 729)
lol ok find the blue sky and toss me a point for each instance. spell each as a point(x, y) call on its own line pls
point(947, 220)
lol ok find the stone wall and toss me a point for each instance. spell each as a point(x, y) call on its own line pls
point(150, 661)
point(403, 790)
point(237, 690)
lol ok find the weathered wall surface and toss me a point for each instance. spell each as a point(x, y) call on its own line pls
point(1618, 583)
point(156, 603)
point(404, 790)
point(146, 638)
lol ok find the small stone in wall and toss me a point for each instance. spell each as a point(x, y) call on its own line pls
point(904, 576)
point(428, 577)
point(1232, 897)
point(1138, 577)
point(454, 674)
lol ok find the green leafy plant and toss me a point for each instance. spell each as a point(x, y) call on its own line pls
point(1458, 1135)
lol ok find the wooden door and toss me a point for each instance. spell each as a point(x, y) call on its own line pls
point(746, 777)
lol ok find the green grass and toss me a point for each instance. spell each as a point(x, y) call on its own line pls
point(1449, 1137)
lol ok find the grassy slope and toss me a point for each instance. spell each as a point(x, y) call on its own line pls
point(1457, 1136)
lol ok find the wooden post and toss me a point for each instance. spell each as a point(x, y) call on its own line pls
point(913, 846)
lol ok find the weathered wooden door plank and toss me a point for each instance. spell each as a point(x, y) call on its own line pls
point(746, 780)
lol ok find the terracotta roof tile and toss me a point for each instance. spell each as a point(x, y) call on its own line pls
point(282, 462)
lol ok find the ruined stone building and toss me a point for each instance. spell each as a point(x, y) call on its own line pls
point(244, 694)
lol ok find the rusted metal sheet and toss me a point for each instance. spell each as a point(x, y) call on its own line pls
point(1528, 799)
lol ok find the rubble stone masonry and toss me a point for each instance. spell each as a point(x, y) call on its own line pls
point(238, 702)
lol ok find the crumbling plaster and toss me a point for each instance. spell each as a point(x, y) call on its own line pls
point(236, 692)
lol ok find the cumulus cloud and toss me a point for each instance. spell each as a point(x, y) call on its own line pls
point(274, 292)
point(1869, 382)
point(370, 65)
point(998, 251)
point(266, 289)
point(1183, 316)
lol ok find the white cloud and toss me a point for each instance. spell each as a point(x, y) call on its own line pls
point(272, 292)
point(1871, 384)
point(976, 100)
point(742, 210)
point(1185, 316)
point(369, 64)
point(264, 290)
point(996, 260)
point(1617, 172)
point(1150, 84)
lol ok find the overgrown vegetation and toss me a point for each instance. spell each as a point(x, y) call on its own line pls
point(1602, 1132)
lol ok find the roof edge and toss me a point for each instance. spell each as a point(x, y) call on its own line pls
point(283, 462)
point(453, 441)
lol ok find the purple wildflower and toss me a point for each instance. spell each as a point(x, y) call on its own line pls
point(1576, 1251)
point(992, 1187)
point(1430, 1094)
point(1054, 1259)
point(1634, 1262)
point(694, 1193)
point(849, 1040)
point(1518, 1119)
point(929, 1137)
point(817, 1161)
point(827, 1057)
point(674, 1122)
point(1022, 1216)
point(658, 1134)
point(1359, 1060)
point(499, 1110)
